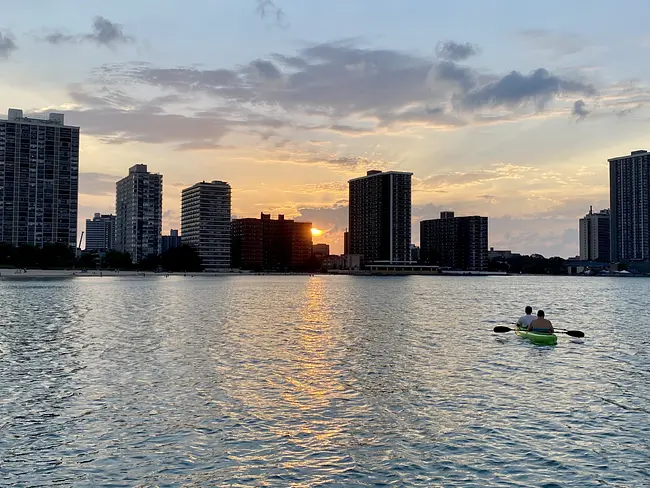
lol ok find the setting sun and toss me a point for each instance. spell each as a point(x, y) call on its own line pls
point(316, 232)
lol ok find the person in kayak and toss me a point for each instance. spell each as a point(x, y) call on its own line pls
point(525, 320)
point(540, 324)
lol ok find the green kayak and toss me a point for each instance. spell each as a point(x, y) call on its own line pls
point(541, 338)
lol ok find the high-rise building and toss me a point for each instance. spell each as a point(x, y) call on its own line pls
point(171, 241)
point(39, 180)
point(594, 236)
point(100, 233)
point(380, 217)
point(455, 242)
point(629, 193)
point(138, 207)
point(277, 245)
point(205, 222)
point(346, 242)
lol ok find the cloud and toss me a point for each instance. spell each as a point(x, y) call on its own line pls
point(98, 183)
point(553, 42)
point(116, 117)
point(579, 109)
point(199, 146)
point(463, 179)
point(266, 69)
point(268, 9)
point(331, 219)
point(7, 45)
point(453, 51)
point(104, 33)
point(515, 89)
point(342, 81)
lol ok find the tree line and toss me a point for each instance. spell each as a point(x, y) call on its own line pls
point(61, 256)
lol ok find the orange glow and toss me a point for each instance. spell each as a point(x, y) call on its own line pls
point(316, 232)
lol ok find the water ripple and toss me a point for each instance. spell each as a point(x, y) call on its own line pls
point(321, 381)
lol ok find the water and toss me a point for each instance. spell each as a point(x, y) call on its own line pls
point(322, 381)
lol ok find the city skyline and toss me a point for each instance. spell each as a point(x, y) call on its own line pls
point(513, 117)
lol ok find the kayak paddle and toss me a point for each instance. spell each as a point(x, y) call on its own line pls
point(572, 333)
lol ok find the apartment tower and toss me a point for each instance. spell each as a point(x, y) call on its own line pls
point(629, 193)
point(39, 180)
point(380, 217)
point(205, 222)
point(138, 207)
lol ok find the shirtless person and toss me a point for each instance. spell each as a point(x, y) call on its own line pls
point(540, 324)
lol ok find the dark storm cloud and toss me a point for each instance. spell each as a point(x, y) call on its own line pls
point(454, 51)
point(104, 33)
point(7, 45)
point(580, 109)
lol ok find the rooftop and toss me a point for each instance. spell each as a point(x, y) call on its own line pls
point(16, 115)
point(375, 172)
point(640, 152)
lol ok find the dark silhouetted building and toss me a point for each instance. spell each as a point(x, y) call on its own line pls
point(39, 180)
point(380, 217)
point(346, 242)
point(594, 236)
point(455, 242)
point(138, 207)
point(321, 250)
point(100, 233)
point(629, 193)
point(273, 245)
point(205, 222)
point(170, 242)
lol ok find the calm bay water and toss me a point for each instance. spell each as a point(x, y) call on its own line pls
point(322, 381)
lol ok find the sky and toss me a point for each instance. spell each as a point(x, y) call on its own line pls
point(503, 109)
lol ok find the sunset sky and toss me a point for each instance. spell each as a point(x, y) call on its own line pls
point(501, 108)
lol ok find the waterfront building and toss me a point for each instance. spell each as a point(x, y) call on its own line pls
point(380, 217)
point(595, 236)
point(321, 250)
point(629, 193)
point(138, 205)
point(171, 241)
point(501, 254)
point(459, 243)
point(39, 180)
point(100, 232)
point(205, 222)
point(267, 244)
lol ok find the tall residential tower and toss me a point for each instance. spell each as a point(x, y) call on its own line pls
point(380, 217)
point(205, 222)
point(39, 180)
point(629, 184)
point(138, 207)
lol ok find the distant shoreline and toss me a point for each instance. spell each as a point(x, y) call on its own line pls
point(18, 274)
